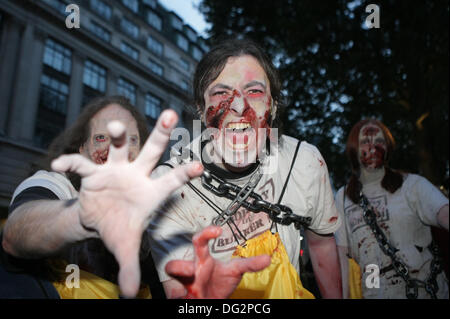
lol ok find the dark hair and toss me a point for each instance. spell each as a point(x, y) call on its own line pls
point(70, 140)
point(391, 181)
point(212, 64)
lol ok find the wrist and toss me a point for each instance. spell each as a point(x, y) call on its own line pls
point(80, 231)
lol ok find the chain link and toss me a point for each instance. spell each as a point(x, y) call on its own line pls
point(280, 214)
point(247, 198)
point(412, 285)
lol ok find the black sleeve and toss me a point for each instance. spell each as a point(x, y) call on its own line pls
point(34, 275)
point(30, 194)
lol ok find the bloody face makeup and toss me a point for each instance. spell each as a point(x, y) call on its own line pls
point(238, 109)
point(96, 147)
point(372, 146)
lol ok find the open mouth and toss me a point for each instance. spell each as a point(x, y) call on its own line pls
point(238, 135)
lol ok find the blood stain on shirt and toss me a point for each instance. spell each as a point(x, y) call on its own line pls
point(332, 219)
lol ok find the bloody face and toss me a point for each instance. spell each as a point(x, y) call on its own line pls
point(96, 146)
point(372, 146)
point(238, 110)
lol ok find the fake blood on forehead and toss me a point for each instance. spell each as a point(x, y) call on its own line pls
point(370, 131)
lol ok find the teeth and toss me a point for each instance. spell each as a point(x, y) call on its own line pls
point(239, 126)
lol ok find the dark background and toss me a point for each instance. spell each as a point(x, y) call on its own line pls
point(336, 71)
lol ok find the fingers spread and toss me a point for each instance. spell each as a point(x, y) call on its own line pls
point(75, 163)
point(252, 264)
point(118, 150)
point(200, 241)
point(177, 177)
point(156, 144)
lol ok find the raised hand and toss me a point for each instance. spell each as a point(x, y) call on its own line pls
point(117, 198)
point(205, 277)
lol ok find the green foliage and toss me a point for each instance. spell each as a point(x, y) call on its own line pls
point(335, 72)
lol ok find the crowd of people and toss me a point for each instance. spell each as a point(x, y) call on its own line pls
point(239, 206)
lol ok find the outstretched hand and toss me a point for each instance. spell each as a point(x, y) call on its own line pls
point(205, 277)
point(117, 198)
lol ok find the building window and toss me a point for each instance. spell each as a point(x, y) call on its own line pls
point(154, 20)
point(184, 85)
point(176, 23)
point(151, 3)
point(203, 45)
point(51, 115)
point(100, 32)
point(184, 64)
point(155, 46)
point(94, 76)
point(155, 67)
point(53, 94)
point(127, 89)
point(129, 50)
point(57, 56)
point(191, 34)
point(58, 5)
point(182, 42)
point(197, 53)
point(129, 28)
point(133, 5)
point(152, 106)
point(101, 8)
point(88, 95)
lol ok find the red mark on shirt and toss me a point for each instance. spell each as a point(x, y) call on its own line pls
point(321, 162)
point(332, 219)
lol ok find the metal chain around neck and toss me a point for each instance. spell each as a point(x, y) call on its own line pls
point(247, 198)
point(412, 285)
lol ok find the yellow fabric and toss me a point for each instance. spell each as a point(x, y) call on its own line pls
point(354, 279)
point(279, 280)
point(93, 287)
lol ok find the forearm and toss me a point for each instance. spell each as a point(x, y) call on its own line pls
point(442, 217)
point(42, 228)
point(325, 262)
point(343, 259)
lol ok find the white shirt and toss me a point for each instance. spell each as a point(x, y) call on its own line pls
point(307, 194)
point(403, 216)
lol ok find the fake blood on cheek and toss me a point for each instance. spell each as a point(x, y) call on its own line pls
point(216, 114)
point(377, 156)
point(100, 156)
